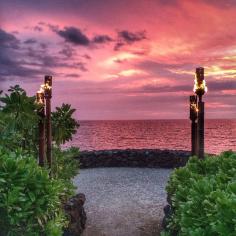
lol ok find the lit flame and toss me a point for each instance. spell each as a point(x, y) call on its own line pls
point(39, 98)
point(198, 86)
point(194, 107)
point(45, 86)
point(205, 86)
point(40, 94)
point(41, 89)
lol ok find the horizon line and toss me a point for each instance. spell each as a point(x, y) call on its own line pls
point(152, 119)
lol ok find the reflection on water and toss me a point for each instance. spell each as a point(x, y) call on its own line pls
point(220, 135)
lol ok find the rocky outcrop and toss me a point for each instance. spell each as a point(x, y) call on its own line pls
point(151, 158)
point(77, 217)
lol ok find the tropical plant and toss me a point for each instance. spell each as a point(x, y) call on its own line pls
point(203, 197)
point(30, 201)
point(63, 125)
point(18, 120)
point(65, 165)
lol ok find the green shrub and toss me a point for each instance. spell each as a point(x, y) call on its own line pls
point(203, 197)
point(18, 120)
point(30, 202)
point(64, 126)
point(65, 165)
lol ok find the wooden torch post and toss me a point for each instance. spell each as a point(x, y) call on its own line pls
point(200, 130)
point(41, 127)
point(193, 118)
point(200, 88)
point(48, 96)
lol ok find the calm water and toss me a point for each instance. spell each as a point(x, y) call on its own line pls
point(220, 135)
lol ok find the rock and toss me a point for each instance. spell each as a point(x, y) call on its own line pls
point(167, 210)
point(76, 214)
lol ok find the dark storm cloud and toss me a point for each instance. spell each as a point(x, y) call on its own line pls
point(54, 28)
point(44, 60)
point(131, 37)
point(10, 64)
point(38, 28)
point(20, 60)
point(67, 51)
point(119, 45)
point(14, 68)
point(127, 37)
point(102, 39)
point(43, 45)
point(86, 56)
point(74, 35)
point(11, 67)
point(30, 41)
point(77, 37)
point(72, 75)
point(221, 85)
point(8, 40)
point(81, 66)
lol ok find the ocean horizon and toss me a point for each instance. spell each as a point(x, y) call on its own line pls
point(174, 134)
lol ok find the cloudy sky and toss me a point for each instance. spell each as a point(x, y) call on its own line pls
point(126, 59)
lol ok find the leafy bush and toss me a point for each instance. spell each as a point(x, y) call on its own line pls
point(63, 125)
point(30, 202)
point(203, 197)
point(18, 120)
point(65, 165)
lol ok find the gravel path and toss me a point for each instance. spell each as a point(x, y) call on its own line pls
point(123, 201)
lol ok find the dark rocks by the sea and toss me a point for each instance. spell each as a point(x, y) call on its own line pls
point(151, 158)
point(74, 209)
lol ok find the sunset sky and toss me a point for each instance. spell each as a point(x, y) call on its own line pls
point(122, 59)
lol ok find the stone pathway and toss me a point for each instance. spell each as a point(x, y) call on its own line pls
point(123, 201)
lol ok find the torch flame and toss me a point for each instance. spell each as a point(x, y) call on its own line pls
point(39, 98)
point(201, 86)
point(45, 87)
point(194, 106)
point(40, 93)
point(205, 86)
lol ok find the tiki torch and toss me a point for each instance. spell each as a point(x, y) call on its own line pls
point(41, 126)
point(48, 96)
point(200, 88)
point(193, 118)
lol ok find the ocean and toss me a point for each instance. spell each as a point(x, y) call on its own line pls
point(220, 135)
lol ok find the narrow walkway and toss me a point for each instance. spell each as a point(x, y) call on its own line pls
point(123, 201)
